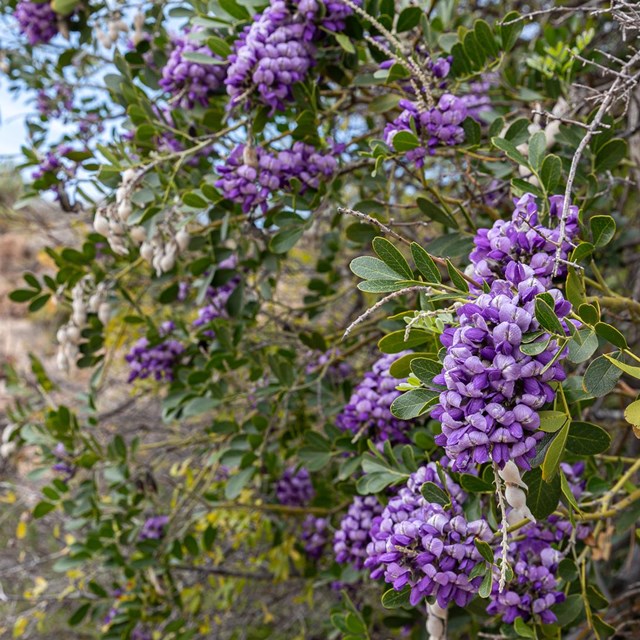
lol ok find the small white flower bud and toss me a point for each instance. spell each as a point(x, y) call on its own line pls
point(138, 234)
point(61, 361)
point(511, 474)
point(167, 262)
point(101, 224)
point(182, 238)
point(104, 311)
point(124, 210)
point(61, 335)
point(128, 176)
point(73, 334)
point(146, 251)
point(515, 496)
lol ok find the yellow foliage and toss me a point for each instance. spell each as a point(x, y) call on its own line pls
point(20, 626)
point(21, 530)
point(9, 497)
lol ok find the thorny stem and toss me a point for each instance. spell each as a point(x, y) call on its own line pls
point(504, 545)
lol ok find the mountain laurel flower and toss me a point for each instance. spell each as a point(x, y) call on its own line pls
point(425, 546)
point(158, 360)
point(295, 489)
point(353, 535)
point(153, 528)
point(315, 535)
point(368, 412)
point(36, 20)
point(493, 391)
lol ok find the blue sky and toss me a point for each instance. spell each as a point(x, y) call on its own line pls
point(12, 114)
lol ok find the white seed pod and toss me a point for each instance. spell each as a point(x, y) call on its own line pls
point(94, 302)
point(515, 496)
point(128, 176)
point(182, 239)
point(61, 334)
point(138, 234)
point(146, 251)
point(104, 311)
point(101, 224)
point(511, 474)
point(122, 193)
point(167, 262)
point(72, 334)
point(116, 227)
point(79, 317)
point(124, 210)
point(61, 360)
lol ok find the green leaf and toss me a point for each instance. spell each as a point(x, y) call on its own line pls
point(234, 9)
point(551, 173)
point(425, 369)
point(632, 413)
point(569, 610)
point(432, 493)
point(603, 228)
point(381, 286)
point(192, 199)
point(587, 439)
point(518, 132)
point(589, 313)
point(611, 335)
point(582, 351)
point(485, 38)
point(534, 348)
point(408, 19)
point(42, 508)
point(237, 482)
point(22, 295)
point(547, 317)
point(395, 342)
point(393, 599)
point(370, 268)
point(485, 550)
point(64, 7)
point(472, 132)
point(392, 257)
point(202, 58)
point(219, 46)
point(413, 403)
point(523, 629)
point(603, 628)
point(405, 141)
point(425, 264)
point(510, 149)
point(554, 454)
point(610, 155)
point(79, 614)
point(285, 239)
point(543, 497)
point(552, 421)
point(509, 33)
point(581, 252)
point(537, 148)
point(345, 42)
point(435, 213)
point(566, 491)
point(457, 278)
point(623, 366)
point(601, 377)
point(474, 484)
point(486, 585)
point(39, 302)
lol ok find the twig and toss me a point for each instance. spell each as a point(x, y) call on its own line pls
point(504, 545)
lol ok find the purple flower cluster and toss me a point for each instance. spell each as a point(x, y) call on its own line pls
point(295, 489)
point(493, 390)
point(534, 589)
point(332, 13)
point(191, 83)
point(251, 174)
point(141, 633)
point(368, 413)
point(217, 298)
point(153, 528)
point(64, 465)
point(354, 534)
point(523, 239)
point(440, 125)
point(57, 104)
point(423, 545)
point(158, 360)
point(37, 20)
point(315, 535)
point(52, 165)
point(337, 371)
point(270, 56)
point(477, 100)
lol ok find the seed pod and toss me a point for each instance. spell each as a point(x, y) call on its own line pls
point(182, 238)
point(72, 334)
point(101, 224)
point(146, 251)
point(138, 234)
point(104, 311)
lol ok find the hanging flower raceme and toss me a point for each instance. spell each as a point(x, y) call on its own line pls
point(37, 20)
point(425, 546)
point(190, 82)
point(493, 390)
point(534, 588)
point(153, 528)
point(270, 56)
point(315, 535)
point(250, 175)
point(368, 413)
point(337, 369)
point(354, 533)
point(295, 489)
point(158, 360)
point(440, 125)
point(331, 15)
point(524, 239)
point(217, 298)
